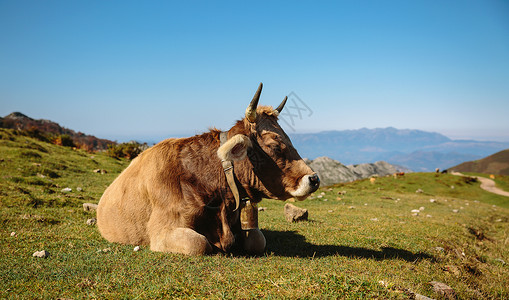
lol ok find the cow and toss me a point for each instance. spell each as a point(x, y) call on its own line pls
point(176, 196)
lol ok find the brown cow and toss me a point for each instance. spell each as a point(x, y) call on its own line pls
point(175, 197)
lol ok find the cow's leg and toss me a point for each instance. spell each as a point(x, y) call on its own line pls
point(180, 240)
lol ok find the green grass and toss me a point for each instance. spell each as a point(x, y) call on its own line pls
point(345, 250)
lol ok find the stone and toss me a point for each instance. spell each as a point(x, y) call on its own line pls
point(41, 254)
point(419, 191)
point(92, 221)
point(432, 200)
point(294, 213)
point(66, 190)
point(136, 249)
point(455, 211)
point(262, 208)
point(79, 189)
point(100, 171)
point(13, 233)
point(89, 206)
point(443, 290)
point(415, 211)
point(499, 260)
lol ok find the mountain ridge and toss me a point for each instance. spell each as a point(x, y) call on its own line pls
point(20, 121)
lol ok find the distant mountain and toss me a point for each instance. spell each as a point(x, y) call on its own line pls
point(19, 121)
point(332, 171)
point(497, 164)
point(414, 149)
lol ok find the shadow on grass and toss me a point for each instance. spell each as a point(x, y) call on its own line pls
point(292, 244)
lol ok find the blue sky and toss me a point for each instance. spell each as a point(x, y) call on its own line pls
point(152, 69)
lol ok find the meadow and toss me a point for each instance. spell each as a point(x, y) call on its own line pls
point(362, 239)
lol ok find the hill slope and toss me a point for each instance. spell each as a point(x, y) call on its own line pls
point(365, 244)
point(19, 121)
point(497, 164)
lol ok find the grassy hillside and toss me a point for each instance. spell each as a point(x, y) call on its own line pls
point(497, 163)
point(362, 240)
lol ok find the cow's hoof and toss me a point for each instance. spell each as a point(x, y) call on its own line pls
point(254, 241)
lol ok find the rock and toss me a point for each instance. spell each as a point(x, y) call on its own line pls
point(41, 254)
point(294, 213)
point(136, 249)
point(432, 200)
point(92, 221)
point(415, 211)
point(66, 190)
point(499, 260)
point(79, 189)
point(439, 249)
point(421, 297)
point(13, 233)
point(419, 191)
point(455, 211)
point(89, 206)
point(262, 208)
point(100, 171)
point(443, 290)
point(421, 208)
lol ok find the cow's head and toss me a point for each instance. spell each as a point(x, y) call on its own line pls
point(279, 171)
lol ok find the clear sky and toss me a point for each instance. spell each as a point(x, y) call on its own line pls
point(151, 69)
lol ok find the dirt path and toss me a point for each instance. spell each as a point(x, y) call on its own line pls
point(487, 185)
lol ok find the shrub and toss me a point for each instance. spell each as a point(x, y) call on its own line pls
point(126, 150)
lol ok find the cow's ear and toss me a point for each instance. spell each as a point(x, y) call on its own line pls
point(235, 148)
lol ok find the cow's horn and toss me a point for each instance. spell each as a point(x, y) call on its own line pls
point(280, 107)
point(251, 109)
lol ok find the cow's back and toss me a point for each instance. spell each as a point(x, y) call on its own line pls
point(125, 207)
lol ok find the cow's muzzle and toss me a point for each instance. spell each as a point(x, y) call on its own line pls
point(307, 185)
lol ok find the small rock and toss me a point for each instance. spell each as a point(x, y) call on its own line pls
point(338, 198)
point(432, 200)
point(66, 190)
point(79, 189)
point(136, 249)
point(100, 171)
point(322, 193)
point(89, 206)
point(374, 219)
point(419, 191)
point(455, 211)
point(415, 211)
point(104, 250)
point(439, 249)
point(452, 187)
point(421, 208)
point(13, 233)
point(294, 213)
point(421, 297)
point(330, 210)
point(319, 196)
point(499, 260)
point(92, 221)
point(429, 216)
point(41, 254)
point(325, 200)
point(443, 289)
point(351, 207)
point(262, 208)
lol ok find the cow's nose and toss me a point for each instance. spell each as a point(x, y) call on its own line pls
point(314, 181)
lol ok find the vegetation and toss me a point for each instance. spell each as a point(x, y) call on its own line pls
point(362, 239)
point(126, 150)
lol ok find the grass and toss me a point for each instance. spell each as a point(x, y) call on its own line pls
point(361, 240)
